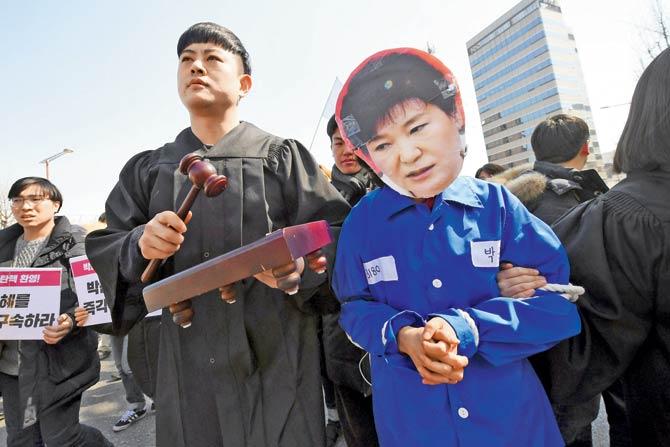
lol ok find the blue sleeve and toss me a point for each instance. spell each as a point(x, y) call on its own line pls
point(370, 324)
point(504, 330)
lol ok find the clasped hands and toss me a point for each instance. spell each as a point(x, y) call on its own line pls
point(434, 348)
point(434, 351)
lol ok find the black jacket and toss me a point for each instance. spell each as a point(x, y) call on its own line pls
point(52, 373)
point(344, 360)
point(549, 190)
point(354, 187)
point(619, 250)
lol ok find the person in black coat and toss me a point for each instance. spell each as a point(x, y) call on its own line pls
point(42, 381)
point(555, 184)
point(619, 250)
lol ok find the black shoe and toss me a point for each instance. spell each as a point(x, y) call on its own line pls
point(128, 418)
point(333, 431)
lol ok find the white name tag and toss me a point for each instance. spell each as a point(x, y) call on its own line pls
point(485, 253)
point(381, 269)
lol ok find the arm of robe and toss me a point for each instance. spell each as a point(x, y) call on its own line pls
point(113, 251)
point(616, 249)
point(308, 196)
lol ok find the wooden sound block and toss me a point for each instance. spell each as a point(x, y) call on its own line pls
point(276, 249)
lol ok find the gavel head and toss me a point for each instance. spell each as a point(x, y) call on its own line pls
point(197, 169)
point(215, 185)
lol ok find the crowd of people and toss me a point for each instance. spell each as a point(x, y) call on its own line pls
point(461, 311)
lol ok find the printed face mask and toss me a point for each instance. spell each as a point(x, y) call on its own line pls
point(401, 111)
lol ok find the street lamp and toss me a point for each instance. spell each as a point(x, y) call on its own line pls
point(48, 160)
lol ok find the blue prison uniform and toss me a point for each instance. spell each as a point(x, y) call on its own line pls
point(400, 263)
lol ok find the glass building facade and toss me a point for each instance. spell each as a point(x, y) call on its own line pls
point(525, 68)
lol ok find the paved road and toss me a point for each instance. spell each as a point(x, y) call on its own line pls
point(102, 406)
point(105, 401)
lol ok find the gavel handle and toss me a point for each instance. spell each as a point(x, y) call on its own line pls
point(182, 212)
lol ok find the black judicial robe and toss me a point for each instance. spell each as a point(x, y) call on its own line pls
point(619, 250)
point(243, 374)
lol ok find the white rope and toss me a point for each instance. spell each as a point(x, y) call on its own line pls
point(360, 368)
point(568, 291)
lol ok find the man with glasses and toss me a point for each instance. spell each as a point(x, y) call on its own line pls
point(42, 381)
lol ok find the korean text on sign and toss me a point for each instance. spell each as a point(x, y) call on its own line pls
point(29, 301)
point(89, 291)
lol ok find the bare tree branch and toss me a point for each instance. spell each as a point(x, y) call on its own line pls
point(654, 35)
point(660, 28)
point(662, 23)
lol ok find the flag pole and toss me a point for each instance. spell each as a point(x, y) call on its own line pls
point(315, 131)
point(334, 89)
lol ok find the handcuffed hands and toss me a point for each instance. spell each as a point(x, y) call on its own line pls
point(434, 351)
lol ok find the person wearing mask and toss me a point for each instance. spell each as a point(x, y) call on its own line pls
point(416, 267)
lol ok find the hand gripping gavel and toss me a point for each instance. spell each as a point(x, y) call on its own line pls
point(203, 176)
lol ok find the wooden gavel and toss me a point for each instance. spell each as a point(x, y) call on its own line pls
point(203, 176)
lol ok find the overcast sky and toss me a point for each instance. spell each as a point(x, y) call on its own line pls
point(100, 77)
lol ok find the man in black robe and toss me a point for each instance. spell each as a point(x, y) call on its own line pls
point(246, 373)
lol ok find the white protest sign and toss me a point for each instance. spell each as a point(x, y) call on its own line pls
point(89, 291)
point(29, 301)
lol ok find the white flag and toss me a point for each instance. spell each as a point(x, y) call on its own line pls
point(331, 102)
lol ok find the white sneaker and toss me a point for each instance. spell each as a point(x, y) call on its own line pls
point(128, 418)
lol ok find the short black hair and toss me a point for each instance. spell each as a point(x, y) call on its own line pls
point(47, 188)
point(490, 168)
point(645, 141)
point(209, 32)
point(331, 127)
point(559, 138)
point(385, 82)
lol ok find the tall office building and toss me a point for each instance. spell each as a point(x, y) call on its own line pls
point(526, 68)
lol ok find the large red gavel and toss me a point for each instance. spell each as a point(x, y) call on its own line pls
point(203, 176)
